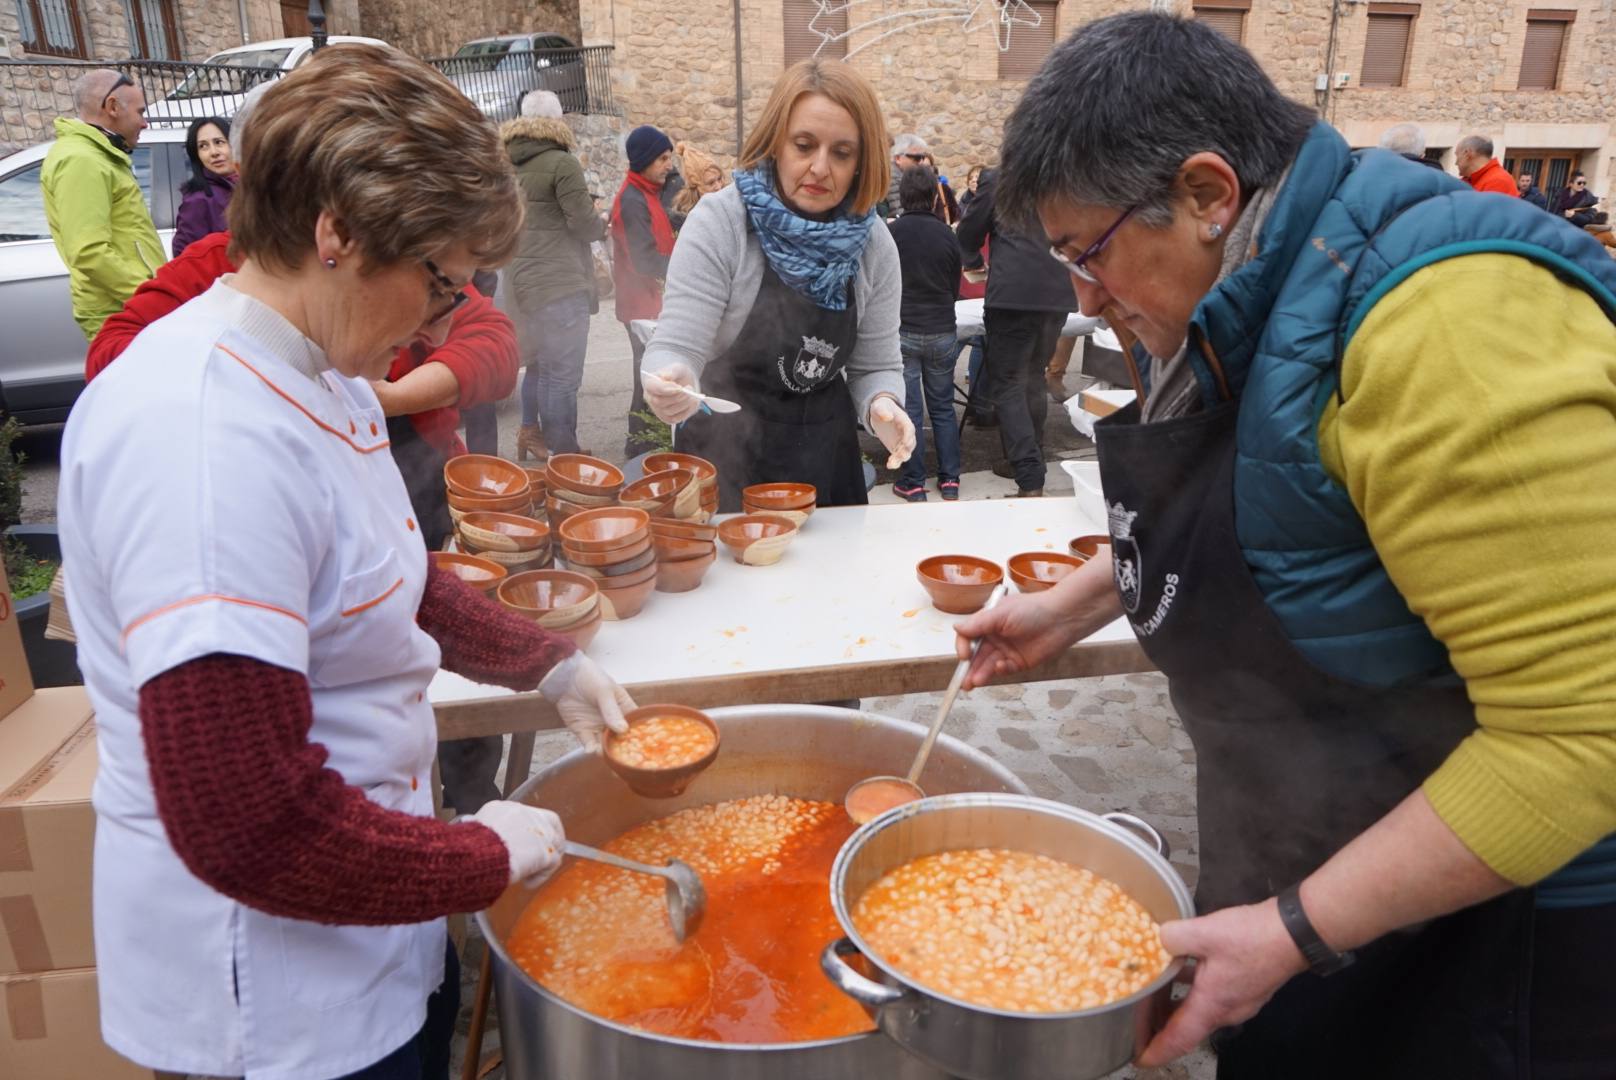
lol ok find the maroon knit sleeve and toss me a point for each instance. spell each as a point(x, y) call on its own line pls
point(252, 810)
point(483, 641)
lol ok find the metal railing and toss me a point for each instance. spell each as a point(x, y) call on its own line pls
point(497, 82)
point(34, 92)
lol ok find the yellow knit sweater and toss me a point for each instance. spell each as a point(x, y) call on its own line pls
point(1478, 441)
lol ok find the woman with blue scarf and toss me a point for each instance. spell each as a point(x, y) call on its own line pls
point(782, 295)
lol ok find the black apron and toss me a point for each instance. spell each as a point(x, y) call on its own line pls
point(1293, 763)
point(786, 369)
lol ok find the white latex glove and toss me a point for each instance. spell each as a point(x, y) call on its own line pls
point(890, 424)
point(533, 837)
point(587, 699)
point(661, 393)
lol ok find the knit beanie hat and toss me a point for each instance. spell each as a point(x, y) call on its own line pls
point(645, 144)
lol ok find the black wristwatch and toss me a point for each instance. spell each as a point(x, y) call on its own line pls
point(1321, 959)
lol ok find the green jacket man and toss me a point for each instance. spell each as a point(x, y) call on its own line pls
point(97, 215)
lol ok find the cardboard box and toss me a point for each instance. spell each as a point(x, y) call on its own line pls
point(47, 832)
point(1105, 402)
point(16, 684)
point(52, 1030)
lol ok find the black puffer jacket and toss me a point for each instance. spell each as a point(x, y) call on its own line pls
point(553, 260)
point(1023, 276)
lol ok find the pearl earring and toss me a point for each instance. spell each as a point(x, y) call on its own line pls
point(331, 264)
point(1214, 231)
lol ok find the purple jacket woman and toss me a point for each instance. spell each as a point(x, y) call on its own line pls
point(213, 179)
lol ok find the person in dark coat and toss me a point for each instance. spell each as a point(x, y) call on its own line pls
point(1576, 203)
point(1531, 192)
point(207, 192)
point(1029, 296)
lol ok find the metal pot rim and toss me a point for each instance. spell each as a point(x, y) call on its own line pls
point(866, 832)
point(567, 760)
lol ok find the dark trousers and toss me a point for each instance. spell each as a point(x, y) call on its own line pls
point(1018, 347)
point(467, 768)
point(482, 429)
point(638, 441)
point(426, 1056)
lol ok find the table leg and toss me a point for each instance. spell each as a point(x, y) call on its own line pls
point(519, 761)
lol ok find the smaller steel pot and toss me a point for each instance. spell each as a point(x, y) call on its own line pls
point(988, 1044)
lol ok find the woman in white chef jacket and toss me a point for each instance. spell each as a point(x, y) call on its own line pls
point(258, 622)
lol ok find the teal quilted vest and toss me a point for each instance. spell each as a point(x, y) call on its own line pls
point(1345, 229)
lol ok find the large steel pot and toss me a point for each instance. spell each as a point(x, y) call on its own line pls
point(989, 1044)
point(803, 750)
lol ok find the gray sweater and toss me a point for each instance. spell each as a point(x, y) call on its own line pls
point(713, 279)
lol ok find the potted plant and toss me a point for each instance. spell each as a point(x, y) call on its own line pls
point(32, 554)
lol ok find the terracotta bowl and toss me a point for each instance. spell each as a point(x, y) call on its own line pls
point(512, 561)
point(663, 783)
point(582, 502)
point(1035, 571)
point(606, 529)
point(481, 574)
point(537, 475)
point(686, 530)
point(626, 602)
point(569, 619)
point(498, 504)
point(799, 518)
point(483, 476)
point(679, 548)
point(558, 511)
point(958, 584)
point(549, 592)
point(757, 539)
point(1086, 547)
point(582, 633)
point(657, 486)
point(705, 471)
point(493, 531)
point(584, 474)
point(611, 563)
point(682, 575)
point(646, 568)
point(780, 496)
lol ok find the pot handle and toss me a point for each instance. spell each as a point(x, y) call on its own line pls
point(1140, 825)
point(867, 992)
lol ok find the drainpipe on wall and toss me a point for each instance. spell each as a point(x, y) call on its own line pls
point(739, 86)
point(1327, 106)
point(241, 17)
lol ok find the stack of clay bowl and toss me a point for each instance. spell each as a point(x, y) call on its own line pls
point(706, 475)
point(612, 546)
point(538, 481)
point(672, 493)
point(561, 602)
point(479, 482)
point(794, 502)
point(514, 541)
point(481, 574)
point(578, 482)
point(684, 552)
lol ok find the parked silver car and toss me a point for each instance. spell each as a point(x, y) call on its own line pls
point(497, 72)
point(41, 348)
point(218, 88)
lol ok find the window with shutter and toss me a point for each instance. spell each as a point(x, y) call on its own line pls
point(1385, 59)
point(52, 27)
point(1030, 45)
point(1228, 21)
point(1544, 47)
point(802, 41)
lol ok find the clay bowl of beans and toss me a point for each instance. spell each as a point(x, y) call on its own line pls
point(1035, 571)
point(554, 599)
point(757, 539)
point(584, 475)
point(481, 574)
point(483, 476)
point(1086, 547)
point(958, 584)
point(494, 531)
point(663, 750)
point(1071, 983)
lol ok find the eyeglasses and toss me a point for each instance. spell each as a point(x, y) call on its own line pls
point(123, 81)
point(1579, 183)
point(1079, 265)
point(918, 159)
point(457, 296)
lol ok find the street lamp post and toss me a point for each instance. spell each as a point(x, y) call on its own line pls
point(317, 24)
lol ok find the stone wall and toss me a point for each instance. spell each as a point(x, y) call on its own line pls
point(421, 28)
point(674, 66)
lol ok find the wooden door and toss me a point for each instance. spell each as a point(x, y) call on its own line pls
point(295, 18)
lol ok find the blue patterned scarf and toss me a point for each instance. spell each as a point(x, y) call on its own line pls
point(815, 258)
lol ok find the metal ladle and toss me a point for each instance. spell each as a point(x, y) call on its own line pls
point(686, 897)
point(882, 793)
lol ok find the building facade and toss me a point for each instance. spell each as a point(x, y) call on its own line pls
point(1539, 82)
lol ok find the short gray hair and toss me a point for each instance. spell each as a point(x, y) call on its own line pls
point(541, 105)
point(1121, 104)
point(92, 88)
point(1477, 144)
point(909, 141)
point(238, 119)
point(1404, 139)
